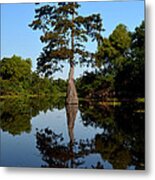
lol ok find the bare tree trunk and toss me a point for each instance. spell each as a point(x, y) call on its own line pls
point(71, 97)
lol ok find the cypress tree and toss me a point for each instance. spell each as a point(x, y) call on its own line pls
point(65, 34)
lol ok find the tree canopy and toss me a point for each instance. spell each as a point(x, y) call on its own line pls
point(65, 33)
point(120, 66)
point(17, 78)
point(112, 53)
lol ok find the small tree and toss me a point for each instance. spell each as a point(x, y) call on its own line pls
point(65, 33)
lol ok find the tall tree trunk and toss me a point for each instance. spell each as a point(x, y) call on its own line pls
point(71, 97)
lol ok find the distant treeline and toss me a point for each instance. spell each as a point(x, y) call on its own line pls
point(119, 71)
point(17, 78)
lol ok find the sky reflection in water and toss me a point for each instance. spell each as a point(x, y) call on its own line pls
point(42, 133)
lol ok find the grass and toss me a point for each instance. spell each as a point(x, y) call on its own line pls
point(140, 111)
point(112, 103)
point(32, 95)
point(140, 100)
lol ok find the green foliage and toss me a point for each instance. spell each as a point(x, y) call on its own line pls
point(17, 78)
point(65, 33)
point(15, 75)
point(130, 80)
point(120, 66)
point(101, 86)
point(120, 39)
point(15, 68)
point(112, 54)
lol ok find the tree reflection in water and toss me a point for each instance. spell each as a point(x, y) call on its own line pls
point(15, 116)
point(121, 143)
point(56, 153)
point(16, 113)
point(71, 111)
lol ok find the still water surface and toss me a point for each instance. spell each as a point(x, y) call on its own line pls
point(45, 133)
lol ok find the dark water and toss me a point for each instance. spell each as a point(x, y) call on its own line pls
point(45, 133)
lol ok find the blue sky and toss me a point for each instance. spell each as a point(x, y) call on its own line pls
point(17, 38)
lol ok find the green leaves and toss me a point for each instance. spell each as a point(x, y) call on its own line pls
point(15, 68)
point(120, 66)
point(120, 38)
point(65, 34)
point(15, 74)
point(130, 79)
point(113, 51)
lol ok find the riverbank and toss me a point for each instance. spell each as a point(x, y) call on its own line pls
point(107, 101)
point(58, 95)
